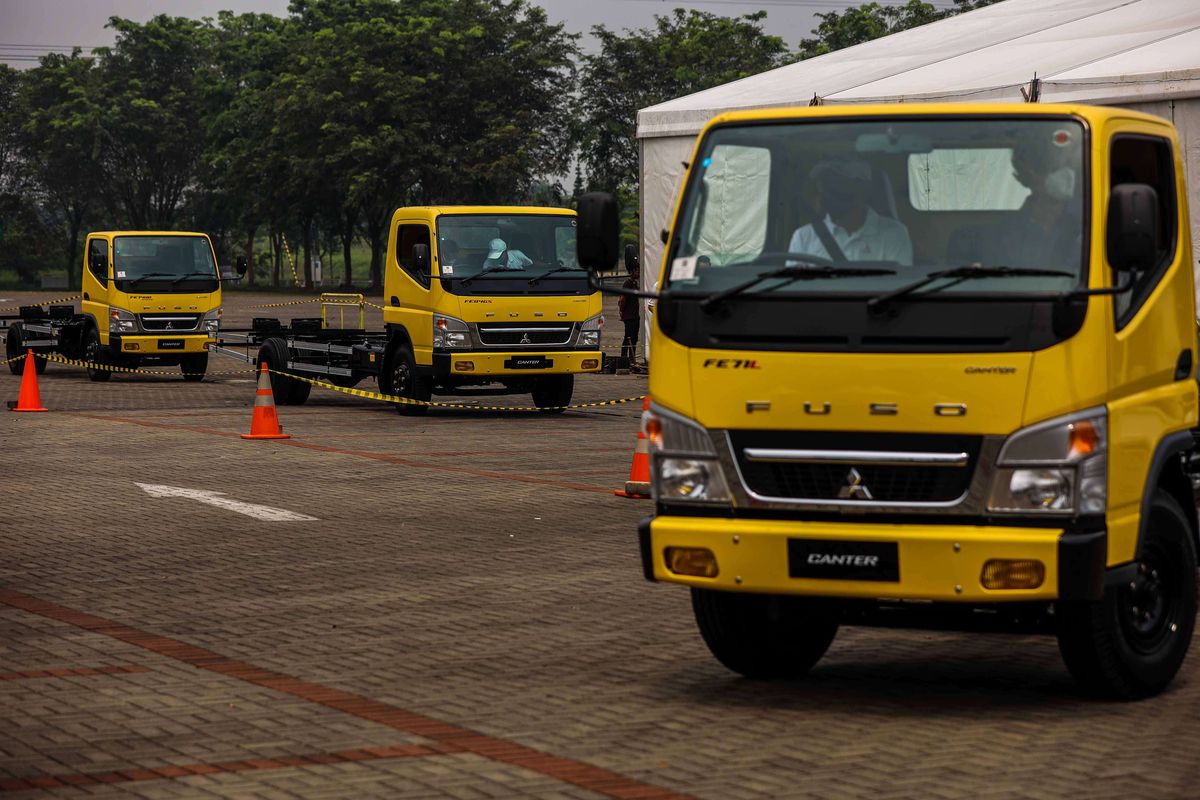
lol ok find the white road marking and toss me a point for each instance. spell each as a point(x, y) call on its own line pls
point(218, 499)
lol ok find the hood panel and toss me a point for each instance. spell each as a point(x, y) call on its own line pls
point(979, 393)
point(543, 308)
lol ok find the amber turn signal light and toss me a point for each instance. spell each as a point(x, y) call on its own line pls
point(464, 366)
point(698, 562)
point(1010, 573)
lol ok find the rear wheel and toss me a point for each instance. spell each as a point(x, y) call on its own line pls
point(194, 367)
point(763, 635)
point(93, 353)
point(1129, 644)
point(552, 393)
point(287, 391)
point(401, 379)
point(15, 347)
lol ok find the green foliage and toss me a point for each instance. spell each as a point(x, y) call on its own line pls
point(872, 20)
point(685, 52)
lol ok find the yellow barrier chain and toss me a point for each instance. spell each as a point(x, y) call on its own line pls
point(284, 305)
point(71, 362)
point(11, 360)
point(41, 303)
point(391, 398)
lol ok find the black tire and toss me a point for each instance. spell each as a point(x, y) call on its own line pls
point(14, 346)
point(552, 392)
point(765, 636)
point(93, 353)
point(194, 367)
point(1130, 644)
point(287, 391)
point(400, 378)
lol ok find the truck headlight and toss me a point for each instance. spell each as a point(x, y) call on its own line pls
point(211, 323)
point(121, 321)
point(684, 467)
point(450, 333)
point(589, 331)
point(1059, 466)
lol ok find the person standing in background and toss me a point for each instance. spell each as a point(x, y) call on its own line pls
point(629, 309)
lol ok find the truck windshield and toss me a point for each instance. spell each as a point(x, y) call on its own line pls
point(509, 254)
point(164, 264)
point(908, 196)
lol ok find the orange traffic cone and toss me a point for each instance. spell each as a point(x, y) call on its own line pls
point(29, 399)
point(638, 485)
point(265, 422)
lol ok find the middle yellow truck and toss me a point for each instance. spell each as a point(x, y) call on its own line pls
point(477, 299)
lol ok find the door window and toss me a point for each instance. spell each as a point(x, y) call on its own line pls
point(98, 249)
point(407, 237)
point(1148, 160)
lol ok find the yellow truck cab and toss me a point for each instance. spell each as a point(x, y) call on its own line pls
point(148, 297)
point(487, 296)
point(930, 366)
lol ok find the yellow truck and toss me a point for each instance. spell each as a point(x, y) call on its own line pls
point(927, 366)
point(148, 297)
point(479, 300)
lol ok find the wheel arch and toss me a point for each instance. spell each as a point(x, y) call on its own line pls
point(1167, 473)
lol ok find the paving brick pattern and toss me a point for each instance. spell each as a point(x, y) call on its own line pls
point(440, 581)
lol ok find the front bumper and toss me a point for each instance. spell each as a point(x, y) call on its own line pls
point(936, 562)
point(517, 364)
point(153, 345)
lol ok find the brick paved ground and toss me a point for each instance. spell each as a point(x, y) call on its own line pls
point(465, 618)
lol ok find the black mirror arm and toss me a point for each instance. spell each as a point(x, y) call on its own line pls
point(598, 285)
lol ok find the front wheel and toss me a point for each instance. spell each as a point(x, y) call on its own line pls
point(762, 635)
point(1130, 643)
point(93, 353)
point(194, 367)
point(402, 380)
point(552, 393)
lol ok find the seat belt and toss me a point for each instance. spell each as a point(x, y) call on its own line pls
point(827, 241)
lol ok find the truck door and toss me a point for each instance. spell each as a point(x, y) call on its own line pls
point(1151, 357)
point(414, 286)
point(97, 266)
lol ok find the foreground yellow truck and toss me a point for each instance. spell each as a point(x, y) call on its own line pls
point(148, 297)
point(479, 300)
point(929, 366)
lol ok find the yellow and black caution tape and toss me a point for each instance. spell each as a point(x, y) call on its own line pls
point(391, 398)
point(284, 305)
point(71, 362)
point(41, 303)
point(12, 360)
point(316, 299)
point(291, 261)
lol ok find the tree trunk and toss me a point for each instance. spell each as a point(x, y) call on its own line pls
point(277, 257)
point(250, 255)
point(308, 254)
point(74, 270)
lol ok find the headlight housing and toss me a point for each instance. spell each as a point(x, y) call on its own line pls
point(211, 323)
point(1055, 467)
point(684, 467)
point(450, 333)
point(589, 331)
point(121, 321)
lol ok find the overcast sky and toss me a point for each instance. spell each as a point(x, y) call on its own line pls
point(29, 27)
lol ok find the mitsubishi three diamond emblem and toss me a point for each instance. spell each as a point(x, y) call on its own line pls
point(854, 488)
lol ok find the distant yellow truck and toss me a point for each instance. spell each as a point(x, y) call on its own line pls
point(148, 297)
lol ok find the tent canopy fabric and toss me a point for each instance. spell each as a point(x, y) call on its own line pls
point(1080, 50)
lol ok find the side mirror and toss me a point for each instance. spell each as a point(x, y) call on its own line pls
point(631, 257)
point(421, 258)
point(1132, 227)
point(597, 235)
point(240, 265)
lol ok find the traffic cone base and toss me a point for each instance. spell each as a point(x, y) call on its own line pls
point(638, 485)
point(264, 424)
point(30, 399)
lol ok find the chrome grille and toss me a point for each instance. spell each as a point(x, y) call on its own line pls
point(499, 334)
point(174, 323)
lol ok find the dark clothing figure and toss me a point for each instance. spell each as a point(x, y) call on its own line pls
point(629, 310)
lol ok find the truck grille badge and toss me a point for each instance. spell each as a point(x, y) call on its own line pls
point(855, 489)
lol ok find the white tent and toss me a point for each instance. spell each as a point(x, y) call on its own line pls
point(1141, 54)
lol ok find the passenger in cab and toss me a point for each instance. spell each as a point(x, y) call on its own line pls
point(844, 186)
point(500, 255)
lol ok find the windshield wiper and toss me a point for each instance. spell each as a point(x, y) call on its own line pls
point(957, 276)
point(789, 274)
point(488, 271)
point(139, 278)
point(550, 272)
point(187, 275)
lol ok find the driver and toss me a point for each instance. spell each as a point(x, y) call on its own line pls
point(500, 255)
point(843, 185)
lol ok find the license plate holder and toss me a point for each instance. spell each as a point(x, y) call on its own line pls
point(833, 559)
point(170, 344)
point(528, 362)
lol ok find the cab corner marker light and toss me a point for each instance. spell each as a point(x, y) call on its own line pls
point(1012, 573)
point(698, 562)
point(590, 363)
point(464, 366)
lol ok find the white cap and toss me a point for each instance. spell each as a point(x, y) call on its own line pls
point(496, 247)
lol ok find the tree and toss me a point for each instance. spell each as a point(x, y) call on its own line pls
point(685, 52)
point(872, 20)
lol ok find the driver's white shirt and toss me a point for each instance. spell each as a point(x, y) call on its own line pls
point(879, 239)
